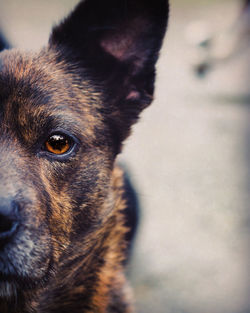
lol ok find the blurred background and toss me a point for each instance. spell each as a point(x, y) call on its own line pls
point(188, 157)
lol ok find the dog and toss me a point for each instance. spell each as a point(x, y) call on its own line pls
point(65, 112)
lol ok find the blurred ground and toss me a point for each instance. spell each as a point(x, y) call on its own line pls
point(189, 159)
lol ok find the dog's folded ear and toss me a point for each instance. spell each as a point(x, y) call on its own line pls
point(119, 41)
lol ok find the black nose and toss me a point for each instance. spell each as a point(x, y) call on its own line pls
point(8, 218)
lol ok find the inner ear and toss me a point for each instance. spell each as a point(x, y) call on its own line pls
point(123, 42)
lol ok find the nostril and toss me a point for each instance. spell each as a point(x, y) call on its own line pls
point(8, 218)
point(5, 224)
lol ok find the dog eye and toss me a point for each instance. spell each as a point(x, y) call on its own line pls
point(58, 144)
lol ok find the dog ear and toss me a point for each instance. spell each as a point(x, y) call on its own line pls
point(119, 42)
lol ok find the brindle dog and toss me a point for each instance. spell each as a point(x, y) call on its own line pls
point(64, 114)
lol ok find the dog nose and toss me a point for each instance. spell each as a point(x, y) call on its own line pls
point(8, 218)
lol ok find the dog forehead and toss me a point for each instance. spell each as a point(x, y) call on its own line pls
point(37, 92)
point(40, 76)
point(26, 74)
point(36, 88)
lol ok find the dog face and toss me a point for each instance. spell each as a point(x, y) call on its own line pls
point(56, 160)
point(64, 113)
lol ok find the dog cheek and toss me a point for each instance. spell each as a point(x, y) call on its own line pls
point(60, 223)
point(59, 208)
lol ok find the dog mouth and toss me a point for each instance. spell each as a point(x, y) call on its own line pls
point(24, 283)
point(11, 285)
point(18, 281)
point(10, 272)
point(25, 262)
point(13, 282)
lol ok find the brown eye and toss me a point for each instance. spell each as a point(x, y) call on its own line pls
point(58, 144)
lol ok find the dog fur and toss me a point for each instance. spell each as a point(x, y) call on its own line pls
point(68, 249)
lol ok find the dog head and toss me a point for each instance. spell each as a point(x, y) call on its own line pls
point(64, 114)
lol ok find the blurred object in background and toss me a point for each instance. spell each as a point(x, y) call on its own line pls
point(3, 42)
point(217, 47)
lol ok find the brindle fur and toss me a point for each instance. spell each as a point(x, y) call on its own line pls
point(91, 81)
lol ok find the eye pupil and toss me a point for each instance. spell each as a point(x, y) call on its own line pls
point(57, 144)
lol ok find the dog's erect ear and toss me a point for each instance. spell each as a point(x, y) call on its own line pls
point(119, 41)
